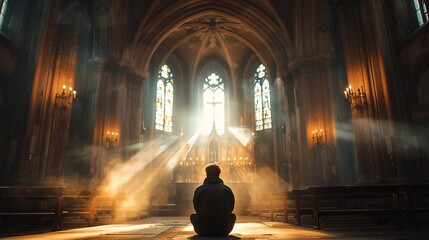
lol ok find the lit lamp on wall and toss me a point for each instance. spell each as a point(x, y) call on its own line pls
point(356, 99)
point(111, 139)
point(66, 97)
point(59, 132)
point(317, 136)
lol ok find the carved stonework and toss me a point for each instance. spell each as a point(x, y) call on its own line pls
point(102, 27)
point(103, 65)
point(135, 80)
point(323, 27)
point(309, 65)
point(117, 67)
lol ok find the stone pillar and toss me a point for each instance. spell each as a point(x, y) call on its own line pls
point(116, 98)
point(373, 118)
point(289, 131)
point(313, 98)
point(42, 161)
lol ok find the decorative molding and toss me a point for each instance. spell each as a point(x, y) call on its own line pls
point(314, 64)
point(323, 26)
point(117, 67)
point(134, 79)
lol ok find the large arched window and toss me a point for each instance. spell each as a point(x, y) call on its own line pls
point(214, 103)
point(164, 100)
point(262, 99)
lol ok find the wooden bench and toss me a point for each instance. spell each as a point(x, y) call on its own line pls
point(32, 203)
point(416, 201)
point(59, 202)
point(280, 206)
point(92, 205)
point(299, 203)
point(79, 203)
point(120, 206)
point(355, 200)
point(274, 206)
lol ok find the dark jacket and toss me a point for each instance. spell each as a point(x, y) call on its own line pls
point(213, 202)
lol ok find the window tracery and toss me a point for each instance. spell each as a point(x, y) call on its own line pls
point(164, 100)
point(262, 99)
point(214, 103)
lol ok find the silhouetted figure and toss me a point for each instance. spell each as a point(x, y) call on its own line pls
point(213, 203)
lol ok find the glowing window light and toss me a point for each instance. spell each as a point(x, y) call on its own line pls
point(214, 103)
point(262, 98)
point(164, 100)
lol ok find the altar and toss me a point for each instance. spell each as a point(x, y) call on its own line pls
point(234, 157)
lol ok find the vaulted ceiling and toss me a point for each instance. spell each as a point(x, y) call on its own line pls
point(197, 32)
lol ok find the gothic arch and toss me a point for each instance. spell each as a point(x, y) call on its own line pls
point(269, 41)
point(207, 67)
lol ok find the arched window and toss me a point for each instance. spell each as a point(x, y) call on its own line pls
point(3, 10)
point(262, 99)
point(421, 7)
point(164, 100)
point(214, 103)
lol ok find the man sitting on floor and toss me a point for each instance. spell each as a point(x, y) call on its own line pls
point(213, 203)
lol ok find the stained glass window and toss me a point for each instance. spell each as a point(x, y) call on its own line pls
point(214, 104)
point(421, 7)
point(164, 100)
point(262, 99)
point(3, 10)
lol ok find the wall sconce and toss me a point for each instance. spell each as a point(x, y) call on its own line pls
point(358, 99)
point(111, 139)
point(66, 97)
point(317, 136)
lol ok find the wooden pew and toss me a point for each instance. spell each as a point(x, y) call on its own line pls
point(416, 201)
point(91, 206)
point(280, 206)
point(355, 200)
point(79, 203)
point(299, 203)
point(120, 206)
point(32, 203)
point(273, 205)
point(59, 202)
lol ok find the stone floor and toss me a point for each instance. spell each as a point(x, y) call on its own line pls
point(245, 228)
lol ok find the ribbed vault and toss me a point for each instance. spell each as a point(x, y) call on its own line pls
point(199, 30)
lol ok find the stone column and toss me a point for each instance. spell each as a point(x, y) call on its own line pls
point(290, 131)
point(373, 120)
point(116, 98)
point(313, 98)
point(47, 144)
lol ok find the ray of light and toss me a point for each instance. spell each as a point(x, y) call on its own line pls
point(244, 135)
point(122, 172)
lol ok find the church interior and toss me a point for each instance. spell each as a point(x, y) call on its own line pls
point(135, 98)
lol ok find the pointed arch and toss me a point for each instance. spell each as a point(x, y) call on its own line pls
point(269, 41)
point(262, 98)
point(214, 102)
point(164, 100)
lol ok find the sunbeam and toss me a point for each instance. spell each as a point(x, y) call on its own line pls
point(244, 135)
point(122, 172)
